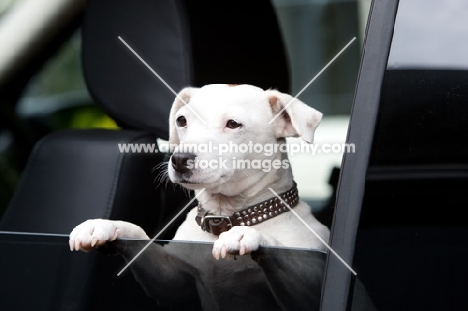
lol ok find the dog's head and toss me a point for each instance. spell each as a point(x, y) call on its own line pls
point(217, 133)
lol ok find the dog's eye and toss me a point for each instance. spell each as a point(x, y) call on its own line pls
point(181, 121)
point(233, 124)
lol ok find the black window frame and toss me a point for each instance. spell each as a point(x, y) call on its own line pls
point(337, 291)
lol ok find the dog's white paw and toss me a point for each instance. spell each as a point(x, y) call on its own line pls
point(92, 234)
point(240, 239)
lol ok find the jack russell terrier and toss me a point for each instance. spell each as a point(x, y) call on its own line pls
point(240, 210)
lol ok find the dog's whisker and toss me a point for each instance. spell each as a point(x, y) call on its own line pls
point(164, 177)
point(160, 173)
point(159, 165)
point(163, 174)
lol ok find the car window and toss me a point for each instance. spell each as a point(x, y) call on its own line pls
point(434, 44)
point(57, 94)
point(47, 260)
point(314, 32)
point(61, 74)
point(415, 191)
point(427, 64)
point(5, 6)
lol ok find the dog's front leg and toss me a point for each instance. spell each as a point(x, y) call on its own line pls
point(162, 275)
point(241, 240)
point(94, 233)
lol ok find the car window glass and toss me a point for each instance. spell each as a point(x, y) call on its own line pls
point(5, 6)
point(424, 122)
point(415, 196)
point(314, 32)
point(47, 259)
point(57, 95)
point(430, 36)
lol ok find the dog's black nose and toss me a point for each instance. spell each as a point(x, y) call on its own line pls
point(180, 161)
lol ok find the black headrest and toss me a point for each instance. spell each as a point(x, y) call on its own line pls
point(185, 43)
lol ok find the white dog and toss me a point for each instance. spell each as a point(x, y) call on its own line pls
point(227, 117)
point(244, 192)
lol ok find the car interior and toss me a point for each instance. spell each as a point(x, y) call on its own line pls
point(408, 193)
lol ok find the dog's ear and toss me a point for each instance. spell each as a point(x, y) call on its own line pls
point(183, 98)
point(296, 120)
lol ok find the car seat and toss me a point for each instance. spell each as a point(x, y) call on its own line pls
point(74, 175)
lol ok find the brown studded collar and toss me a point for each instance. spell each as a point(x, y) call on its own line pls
point(252, 215)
